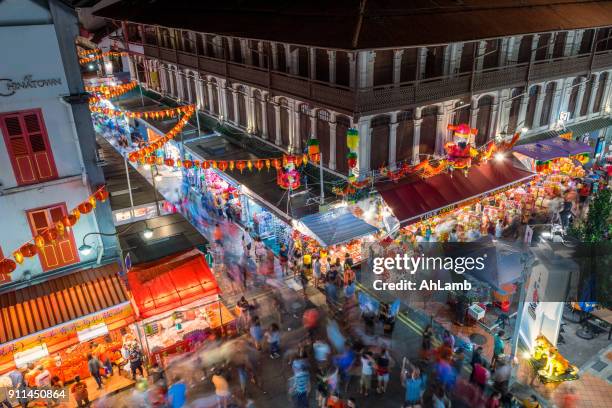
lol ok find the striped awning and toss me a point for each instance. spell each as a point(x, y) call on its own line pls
point(58, 301)
point(578, 130)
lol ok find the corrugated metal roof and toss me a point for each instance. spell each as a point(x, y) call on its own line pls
point(385, 23)
point(39, 307)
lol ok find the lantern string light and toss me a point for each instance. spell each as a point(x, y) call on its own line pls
point(84, 53)
point(50, 234)
point(98, 56)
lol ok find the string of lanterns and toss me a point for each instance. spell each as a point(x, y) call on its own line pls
point(157, 114)
point(145, 152)
point(84, 53)
point(109, 91)
point(50, 235)
point(99, 56)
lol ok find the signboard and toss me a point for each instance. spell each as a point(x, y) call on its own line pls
point(564, 116)
point(10, 86)
point(23, 358)
point(91, 332)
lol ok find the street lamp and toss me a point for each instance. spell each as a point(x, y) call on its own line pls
point(147, 233)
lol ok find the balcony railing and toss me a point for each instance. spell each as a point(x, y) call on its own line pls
point(388, 97)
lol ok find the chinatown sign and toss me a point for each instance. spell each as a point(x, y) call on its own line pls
point(9, 87)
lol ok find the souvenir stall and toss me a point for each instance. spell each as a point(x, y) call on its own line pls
point(555, 156)
point(271, 229)
point(219, 194)
point(177, 303)
point(337, 232)
point(430, 209)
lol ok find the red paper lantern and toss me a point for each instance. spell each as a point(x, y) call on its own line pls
point(169, 162)
point(277, 164)
point(50, 235)
point(150, 159)
point(69, 220)
point(7, 266)
point(241, 165)
point(28, 250)
point(85, 207)
point(187, 164)
point(222, 165)
point(101, 195)
point(206, 165)
point(259, 164)
point(18, 257)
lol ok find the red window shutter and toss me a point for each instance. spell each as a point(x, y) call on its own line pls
point(63, 251)
point(18, 147)
point(28, 145)
point(39, 145)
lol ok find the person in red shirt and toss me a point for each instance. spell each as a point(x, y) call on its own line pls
point(570, 399)
point(493, 401)
point(480, 376)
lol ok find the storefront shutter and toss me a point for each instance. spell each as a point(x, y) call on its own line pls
point(23, 163)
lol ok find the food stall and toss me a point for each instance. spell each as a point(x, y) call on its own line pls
point(555, 156)
point(177, 303)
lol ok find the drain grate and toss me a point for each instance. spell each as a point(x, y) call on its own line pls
point(599, 365)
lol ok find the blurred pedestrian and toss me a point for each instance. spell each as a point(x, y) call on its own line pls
point(299, 388)
point(494, 400)
point(382, 371)
point(367, 369)
point(498, 347)
point(273, 337)
point(256, 332)
point(415, 385)
point(94, 366)
point(222, 389)
point(79, 391)
point(448, 339)
point(177, 393)
point(136, 361)
point(427, 339)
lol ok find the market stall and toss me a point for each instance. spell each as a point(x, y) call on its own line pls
point(556, 155)
point(53, 327)
point(177, 302)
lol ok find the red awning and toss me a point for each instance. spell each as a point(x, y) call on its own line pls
point(413, 201)
point(170, 282)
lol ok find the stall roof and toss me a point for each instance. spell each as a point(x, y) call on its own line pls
point(572, 147)
point(540, 151)
point(412, 201)
point(171, 282)
point(58, 301)
point(336, 226)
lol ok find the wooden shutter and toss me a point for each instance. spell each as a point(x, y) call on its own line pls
point(28, 146)
point(41, 150)
point(18, 148)
point(63, 251)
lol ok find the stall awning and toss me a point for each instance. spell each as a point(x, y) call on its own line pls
point(413, 201)
point(170, 282)
point(572, 147)
point(336, 226)
point(58, 301)
point(540, 151)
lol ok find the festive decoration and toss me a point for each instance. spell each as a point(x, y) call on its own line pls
point(313, 149)
point(463, 130)
point(352, 160)
point(99, 56)
point(84, 53)
point(52, 233)
point(157, 114)
point(352, 139)
point(108, 91)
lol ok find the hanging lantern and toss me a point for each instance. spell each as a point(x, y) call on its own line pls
point(133, 157)
point(85, 207)
point(232, 165)
point(276, 163)
point(352, 160)
point(222, 165)
point(92, 201)
point(50, 235)
point(7, 266)
point(305, 159)
point(259, 164)
point(101, 195)
point(76, 213)
point(206, 165)
point(213, 164)
point(169, 162)
point(197, 164)
point(250, 165)
point(187, 164)
point(159, 160)
point(240, 165)
point(39, 241)
point(313, 147)
point(352, 178)
point(150, 160)
point(28, 250)
point(69, 221)
point(18, 257)
point(352, 139)
point(268, 164)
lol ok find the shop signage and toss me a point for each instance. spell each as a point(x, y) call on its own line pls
point(123, 311)
point(9, 87)
point(564, 116)
point(92, 332)
point(22, 359)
